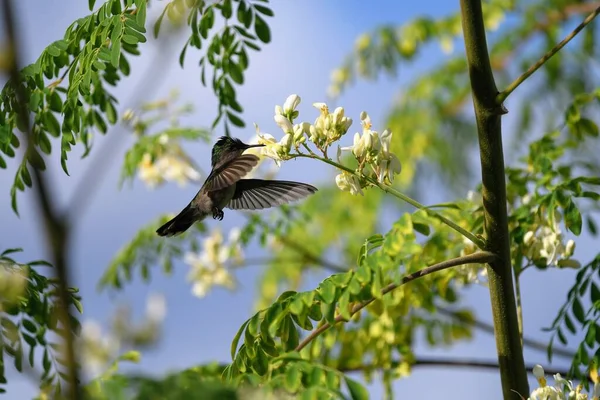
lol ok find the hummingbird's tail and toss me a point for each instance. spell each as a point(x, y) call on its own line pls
point(180, 223)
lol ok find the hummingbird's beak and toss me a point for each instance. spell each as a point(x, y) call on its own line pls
point(248, 146)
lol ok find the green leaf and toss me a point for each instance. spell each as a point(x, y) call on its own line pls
point(578, 310)
point(237, 121)
point(264, 10)
point(115, 54)
point(29, 325)
point(262, 29)
point(51, 124)
point(130, 39)
point(132, 355)
point(344, 305)
point(158, 22)
point(573, 220)
point(327, 291)
point(10, 251)
point(235, 72)
point(236, 339)
point(293, 378)
point(357, 391)
point(423, 229)
point(594, 293)
point(91, 4)
point(589, 127)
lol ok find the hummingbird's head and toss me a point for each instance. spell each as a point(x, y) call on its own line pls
point(226, 144)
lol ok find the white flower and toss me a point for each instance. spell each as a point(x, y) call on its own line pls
point(166, 168)
point(529, 238)
point(300, 130)
point(175, 169)
point(385, 140)
point(596, 391)
point(91, 330)
point(552, 245)
point(208, 268)
point(474, 197)
point(348, 182)
point(365, 120)
point(284, 123)
point(291, 103)
point(156, 308)
point(538, 372)
point(546, 393)
point(128, 115)
point(322, 107)
point(569, 248)
point(163, 139)
point(271, 148)
point(559, 380)
point(148, 172)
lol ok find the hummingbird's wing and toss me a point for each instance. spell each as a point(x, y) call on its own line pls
point(230, 172)
point(256, 194)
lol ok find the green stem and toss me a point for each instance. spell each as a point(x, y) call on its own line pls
point(519, 305)
point(500, 274)
point(510, 88)
point(388, 189)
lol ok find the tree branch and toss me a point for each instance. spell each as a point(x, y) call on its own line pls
point(480, 257)
point(488, 328)
point(57, 231)
point(473, 323)
point(510, 88)
point(448, 362)
point(500, 272)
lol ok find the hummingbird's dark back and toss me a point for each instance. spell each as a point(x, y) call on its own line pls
point(226, 149)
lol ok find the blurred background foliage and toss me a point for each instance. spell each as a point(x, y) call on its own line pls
point(551, 150)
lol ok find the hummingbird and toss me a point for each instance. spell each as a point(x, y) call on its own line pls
point(225, 187)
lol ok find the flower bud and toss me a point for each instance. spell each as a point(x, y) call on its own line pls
point(338, 114)
point(128, 115)
point(569, 263)
point(538, 371)
point(278, 110)
point(284, 123)
point(291, 103)
point(570, 248)
point(286, 143)
point(298, 132)
point(528, 238)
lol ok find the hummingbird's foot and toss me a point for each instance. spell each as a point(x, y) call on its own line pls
point(218, 214)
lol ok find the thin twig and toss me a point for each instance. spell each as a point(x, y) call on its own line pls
point(57, 232)
point(454, 363)
point(479, 242)
point(489, 328)
point(479, 257)
point(510, 88)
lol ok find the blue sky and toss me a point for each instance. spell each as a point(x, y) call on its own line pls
point(310, 38)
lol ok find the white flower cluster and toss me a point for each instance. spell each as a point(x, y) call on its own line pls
point(562, 389)
point(99, 349)
point(370, 149)
point(547, 243)
point(169, 166)
point(208, 267)
point(327, 128)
